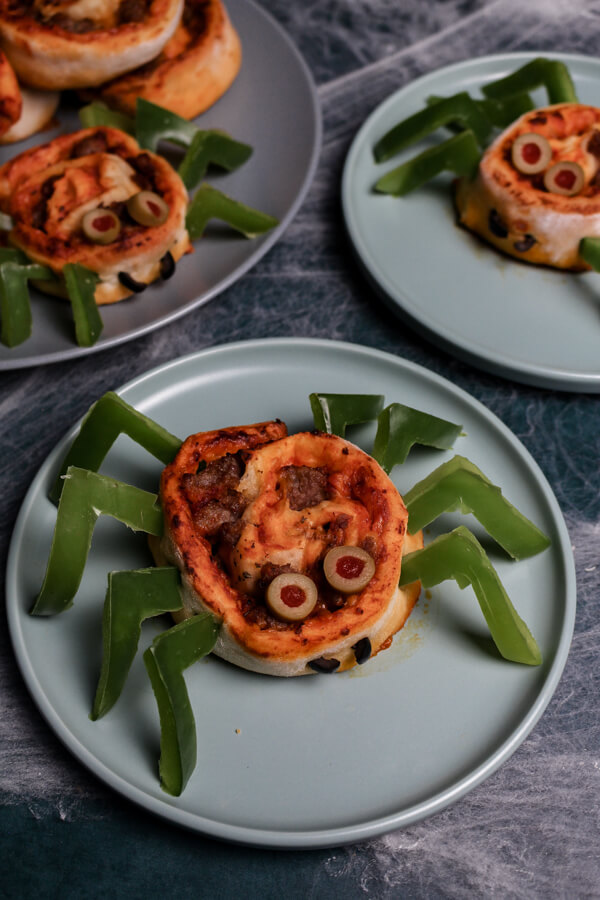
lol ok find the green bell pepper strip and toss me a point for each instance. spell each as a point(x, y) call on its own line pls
point(460, 556)
point(109, 417)
point(81, 290)
point(96, 113)
point(459, 154)
point(209, 203)
point(458, 108)
point(540, 72)
point(85, 496)
point(459, 485)
point(399, 427)
point(214, 147)
point(11, 254)
point(500, 113)
point(131, 597)
point(332, 413)
point(16, 269)
point(589, 250)
point(154, 124)
point(165, 660)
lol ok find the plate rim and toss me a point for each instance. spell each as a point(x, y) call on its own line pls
point(395, 298)
point(266, 242)
point(312, 838)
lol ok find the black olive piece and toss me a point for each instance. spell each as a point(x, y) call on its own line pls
point(324, 665)
point(362, 650)
point(525, 244)
point(496, 225)
point(167, 266)
point(131, 284)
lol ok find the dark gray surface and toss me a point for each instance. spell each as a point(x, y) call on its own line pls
point(532, 829)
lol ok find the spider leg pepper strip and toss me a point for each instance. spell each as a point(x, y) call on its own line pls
point(332, 413)
point(458, 108)
point(96, 113)
point(459, 154)
point(214, 147)
point(209, 203)
point(589, 250)
point(499, 112)
point(81, 289)
point(109, 417)
point(154, 123)
point(460, 556)
point(165, 660)
point(399, 427)
point(459, 485)
point(16, 270)
point(85, 496)
point(540, 72)
point(131, 597)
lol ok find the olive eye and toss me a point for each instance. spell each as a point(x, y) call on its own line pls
point(565, 178)
point(291, 596)
point(531, 153)
point(348, 569)
point(147, 208)
point(101, 226)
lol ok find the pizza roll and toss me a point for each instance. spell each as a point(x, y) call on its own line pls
point(195, 68)
point(76, 199)
point(56, 44)
point(537, 191)
point(245, 507)
point(37, 112)
point(10, 96)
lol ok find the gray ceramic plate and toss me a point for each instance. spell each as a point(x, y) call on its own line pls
point(535, 325)
point(272, 106)
point(319, 760)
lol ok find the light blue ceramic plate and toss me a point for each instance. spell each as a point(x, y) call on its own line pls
point(320, 760)
point(532, 324)
point(280, 118)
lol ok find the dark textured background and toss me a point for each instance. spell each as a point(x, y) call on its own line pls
point(532, 829)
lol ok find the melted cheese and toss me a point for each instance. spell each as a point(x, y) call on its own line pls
point(102, 12)
point(92, 181)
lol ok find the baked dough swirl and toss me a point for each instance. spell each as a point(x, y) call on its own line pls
point(57, 44)
point(244, 504)
point(10, 96)
point(195, 68)
point(514, 212)
point(47, 191)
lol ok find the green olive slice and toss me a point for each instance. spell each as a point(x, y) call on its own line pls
point(147, 208)
point(565, 178)
point(531, 153)
point(348, 569)
point(101, 226)
point(292, 596)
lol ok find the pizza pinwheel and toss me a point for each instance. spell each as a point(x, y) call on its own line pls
point(94, 198)
point(294, 542)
